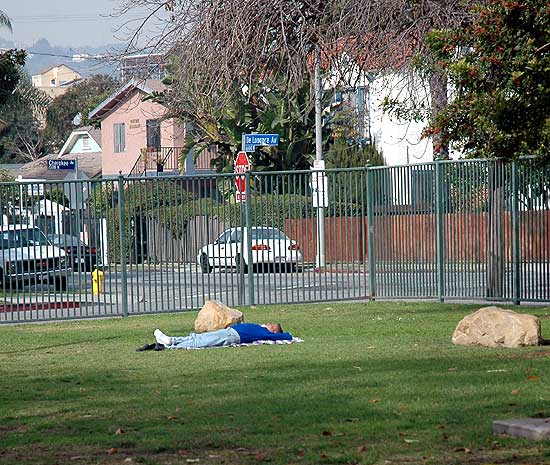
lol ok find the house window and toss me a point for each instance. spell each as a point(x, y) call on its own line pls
point(153, 133)
point(119, 131)
point(86, 143)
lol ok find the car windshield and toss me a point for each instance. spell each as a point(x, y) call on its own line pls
point(268, 233)
point(23, 238)
point(65, 240)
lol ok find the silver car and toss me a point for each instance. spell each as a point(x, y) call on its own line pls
point(28, 257)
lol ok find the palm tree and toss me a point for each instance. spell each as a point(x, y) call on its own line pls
point(5, 20)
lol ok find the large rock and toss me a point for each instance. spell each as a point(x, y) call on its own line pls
point(215, 315)
point(496, 327)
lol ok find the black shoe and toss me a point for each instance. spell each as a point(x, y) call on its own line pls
point(147, 347)
point(159, 347)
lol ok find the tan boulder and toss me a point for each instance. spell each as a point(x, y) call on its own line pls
point(496, 327)
point(215, 315)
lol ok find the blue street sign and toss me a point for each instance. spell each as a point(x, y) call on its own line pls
point(60, 164)
point(261, 139)
point(249, 148)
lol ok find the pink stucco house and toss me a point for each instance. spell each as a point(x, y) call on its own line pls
point(137, 137)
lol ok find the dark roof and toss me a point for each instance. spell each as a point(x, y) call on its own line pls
point(88, 163)
point(55, 66)
point(71, 82)
point(147, 86)
point(11, 166)
point(95, 133)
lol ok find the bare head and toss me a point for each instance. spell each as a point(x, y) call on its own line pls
point(274, 327)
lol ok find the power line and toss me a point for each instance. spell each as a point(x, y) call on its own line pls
point(30, 19)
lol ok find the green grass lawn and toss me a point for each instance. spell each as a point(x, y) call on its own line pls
point(371, 383)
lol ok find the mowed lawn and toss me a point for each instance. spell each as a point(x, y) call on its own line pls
point(371, 383)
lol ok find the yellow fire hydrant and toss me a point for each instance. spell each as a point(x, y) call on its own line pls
point(97, 281)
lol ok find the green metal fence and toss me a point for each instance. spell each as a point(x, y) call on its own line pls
point(473, 230)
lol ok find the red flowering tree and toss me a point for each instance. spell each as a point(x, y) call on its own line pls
point(499, 69)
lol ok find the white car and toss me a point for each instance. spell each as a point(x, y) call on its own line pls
point(269, 246)
point(28, 257)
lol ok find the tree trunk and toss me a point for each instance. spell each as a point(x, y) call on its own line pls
point(439, 101)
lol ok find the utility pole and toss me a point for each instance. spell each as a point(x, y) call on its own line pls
point(321, 246)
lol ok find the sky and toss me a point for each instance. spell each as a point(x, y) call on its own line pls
point(74, 23)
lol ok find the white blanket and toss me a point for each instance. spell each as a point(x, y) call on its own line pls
point(255, 343)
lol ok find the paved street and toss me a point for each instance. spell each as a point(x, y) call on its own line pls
point(185, 287)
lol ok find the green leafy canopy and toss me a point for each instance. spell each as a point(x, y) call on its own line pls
point(499, 67)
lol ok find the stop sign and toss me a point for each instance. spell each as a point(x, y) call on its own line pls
point(242, 164)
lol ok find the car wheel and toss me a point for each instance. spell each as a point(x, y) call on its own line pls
point(60, 283)
point(205, 264)
point(240, 264)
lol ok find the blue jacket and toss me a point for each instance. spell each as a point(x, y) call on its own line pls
point(250, 332)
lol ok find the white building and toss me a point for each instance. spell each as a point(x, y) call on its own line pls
point(400, 141)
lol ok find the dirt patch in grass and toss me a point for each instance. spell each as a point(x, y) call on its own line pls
point(528, 355)
point(91, 456)
point(498, 455)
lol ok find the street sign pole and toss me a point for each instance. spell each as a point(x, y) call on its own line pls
point(242, 191)
point(321, 248)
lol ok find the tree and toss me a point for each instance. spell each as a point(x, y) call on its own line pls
point(10, 63)
point(261, 108)
point(499, 68)
point(22, 137)
point(19, 103)
point(5, 21)
point(343, 154)
point(79, 99)
point(219, 42)
point(22, 114)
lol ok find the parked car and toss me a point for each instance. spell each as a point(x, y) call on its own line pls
point(28, 257)
point(269, 246)
point(81, 256)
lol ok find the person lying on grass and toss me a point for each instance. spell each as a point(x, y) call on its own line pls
point(240, 333)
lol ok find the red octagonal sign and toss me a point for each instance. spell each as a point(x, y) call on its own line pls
point(242, 164)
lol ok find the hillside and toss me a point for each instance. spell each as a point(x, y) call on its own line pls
point(42, 55)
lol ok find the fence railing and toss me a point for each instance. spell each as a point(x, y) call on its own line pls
point(473, 230)
point(157, 160)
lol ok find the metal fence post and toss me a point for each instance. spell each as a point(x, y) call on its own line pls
point(249, 242)
point(370, 235)
point(439, 226)
point(515, 234)
point(122, 233)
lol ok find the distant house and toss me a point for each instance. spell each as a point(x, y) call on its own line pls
point(89, 167)
point(83, 145)
point(373, 78)
point(56, 80)
point(83, 140)
point(400, 142)
point(138, 138)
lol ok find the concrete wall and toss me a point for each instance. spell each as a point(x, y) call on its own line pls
point(399, 141)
